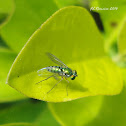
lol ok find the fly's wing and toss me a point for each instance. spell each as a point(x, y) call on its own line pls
point(56, 60)
point(45, 73)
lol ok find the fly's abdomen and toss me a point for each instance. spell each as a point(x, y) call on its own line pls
point(54, 69)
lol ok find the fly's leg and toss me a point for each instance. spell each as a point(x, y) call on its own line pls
point(67, 89)
point(55, 85)
point(55, 76)
point(67, 86)
point(44, 79)
point(66, 80)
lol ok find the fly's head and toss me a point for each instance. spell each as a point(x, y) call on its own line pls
point(74, 74)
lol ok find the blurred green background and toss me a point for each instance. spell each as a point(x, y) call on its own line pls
point(19, 19)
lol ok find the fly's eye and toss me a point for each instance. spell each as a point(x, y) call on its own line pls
point(72, 78)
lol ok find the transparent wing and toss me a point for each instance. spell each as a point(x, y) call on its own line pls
point(56, 60)
point(45, 73)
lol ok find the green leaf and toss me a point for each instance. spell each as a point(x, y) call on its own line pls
point(6, 6)
point(71, 35)
point(2, 43)
point(122, 49)
point(6, 10)
point(112, 19)
point(64, 3)
point(113, 37)
point(6, 92)
point(46, 118)
point(78, 112)
point(112, 111)
point(17, 124)
point(119, 57)
point(122, 40)
point(3, 18)
point(124, 75)
point(26, 111)
point(28, 16)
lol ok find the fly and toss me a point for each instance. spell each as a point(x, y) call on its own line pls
point(62, 71)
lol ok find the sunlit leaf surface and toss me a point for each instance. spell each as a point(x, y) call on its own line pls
point(72, 36)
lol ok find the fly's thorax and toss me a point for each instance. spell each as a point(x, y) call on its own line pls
point(54, 69)
point(67, 72)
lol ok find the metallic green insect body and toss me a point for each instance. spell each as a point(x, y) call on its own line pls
point(63, 72)
point(57, 71)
